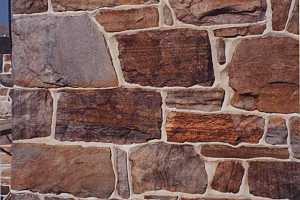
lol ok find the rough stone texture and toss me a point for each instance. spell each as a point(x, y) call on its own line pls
point(228, 176)
point(58, 198)
point(255, 29)
point(122, 173)
point(168, 19)
point(83, 172)
point(121, 20)
point(159, 166)
point(264, 73)
point(208, 12)
point(156, 197)
point(280, 13)
point(293, 24)
point(116, 115)
point(278, 180)
point(228, 128)
point(71, 52)
point(176, 57)
point(32, 113)
point(277, 131)
point(24, 196)
point(243, 152)
point(196, 99)
point(211, 199)
point(221, 55)
point(29, 6)
point(295, 135)
point(74, 5)
point(6, 80)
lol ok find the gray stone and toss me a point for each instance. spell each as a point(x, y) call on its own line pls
point(122, 173)
point(24, 196)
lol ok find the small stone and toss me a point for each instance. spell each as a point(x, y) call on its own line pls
point(24, 196)
point(156, 197)
point(29, 6)
point(294, 124)
point(4, 189)
point(122, 20)
point(221, 54)
point(228, 177)
point(122, 173)
point(58, 198)
point(277, 131)
point(159, 166)
point(6, 80)
point(280, 13)
point(255, 29)
point(168, 19)
point(293, 24)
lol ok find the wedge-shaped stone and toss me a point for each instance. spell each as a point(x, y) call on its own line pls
point(295, 135)
point(29, 6)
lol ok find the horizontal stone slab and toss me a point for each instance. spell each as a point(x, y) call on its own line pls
point(255, 29)
point(29, 6)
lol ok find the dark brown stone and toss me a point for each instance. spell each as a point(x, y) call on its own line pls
point(221, 55)
point(293, 24)
point(228, 176)
point(228, 128)
point(122, 173)
point(134, 18)
point(6, 80)
point(277, 131)
point(244, 152)
point(175, 57)
point(280, 13)
point(29, 6)
point(168, 19)
point(156, 197)
point(276, 180)
point(208, 12)
point(83, 172)
point(255, 29)
point(32, 113)
point(58, 198)
point(294, 124)
point(24, 196)
point(211, 199)
point(161, 166)
point(264, 74)
point(116, 115)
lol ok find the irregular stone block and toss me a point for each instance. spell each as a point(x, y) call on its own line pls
point(221, 54)
point(6, 80)
point(176, 57)
point(168, 18)
point(71, 51)
point(280, 13)
point(264, 74)
point(208, 12)
point(255, 29)
point(277, 131)
point(294, 124)
point(32, 113)
point(159, 166)
point(24, 196)
point(293, 24)
point(29, 6)
point(156, 197)
point(122, 173)
point(83, 172)
point(228, 128)
point(118, 115)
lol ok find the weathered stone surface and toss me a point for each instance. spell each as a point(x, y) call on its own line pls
point(122, 173)
point(83, 172)
point(277, 131)
point(208, 12)
point(32, 113)
point(168, 19)
point(228, 176)
point(159, 166)
point(24, 196)
point(29, 6)
point(280, 13)
point(221, 55)
point(293, 24)
point(176, 57)
point(71, 52)
point(264, 73)
point(6, 80)
point(243, 152)
point(58, 198)
point(210, 199)
point(116, 115)
point(74, 5)
point(197, 99)
point(232, 129)
point(121, 20)
point(255, 29)
point(156, 197)
point(294, 124)
point(277, 180)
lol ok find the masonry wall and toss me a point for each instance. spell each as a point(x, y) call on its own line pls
point(149, 99)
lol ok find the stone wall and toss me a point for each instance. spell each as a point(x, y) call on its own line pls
point(156, 99)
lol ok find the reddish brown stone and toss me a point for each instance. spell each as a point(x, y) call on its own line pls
point(228, 177)
point(157, 197)
point(293, 24)
point(29, 6)
point(277, 131)
point(122, 173)
point(121, 20)
point(276, 180)
point(176, 57)
point(255, 29)
point(280, 13)
point(232, 129)
point(294, 124)
point(116, 115)
point(264, 74)
point(243, 152)
point(210, 199)
point(58, 198)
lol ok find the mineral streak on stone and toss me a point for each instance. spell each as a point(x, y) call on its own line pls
point(122, 178)
point(174, 57)
point(118, 115)
point(83, 172)
point(295, 135)
point(255, 29)
point(208, 12)
point(161, 166)
point(71, 51)
point(228, 128)
point(29, 6)
point(277, 131)
point(280, 13)
point(293, 24)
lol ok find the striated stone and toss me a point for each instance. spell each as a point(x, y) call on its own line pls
point(277, 131)
point(156, 197)
point(83, 172)
point(122, 173)
point(208, 12)
point(276, 180)
point(280, 13)
point(174, 57)
point(71, 52)
point(159, 166)
point(24, 196)
point(228, 128)
point(74, 5)
point(134, 18)
point(243, 152)
point(29, 6)
point(228, 176)
point(167, 13)
point(118, 115)
point(294, 125)
point(255, 29)
point(221, 54)
point(293, 24)
point(197, 99)
point(264, 74)
point(32, 113)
